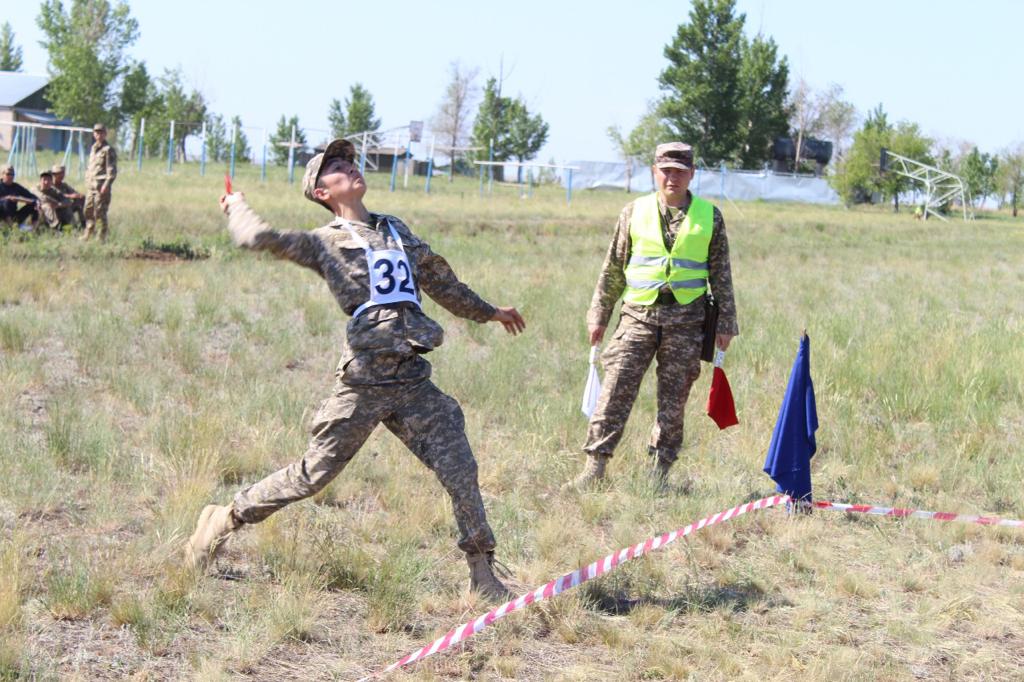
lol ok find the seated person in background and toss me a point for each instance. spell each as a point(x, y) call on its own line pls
point(11, 195)
point(51, 201)
point(76, 200)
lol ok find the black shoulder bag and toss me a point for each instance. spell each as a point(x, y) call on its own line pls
point(707, 351)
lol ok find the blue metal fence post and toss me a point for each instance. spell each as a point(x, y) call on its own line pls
point(568, 189)
point(170, 149)
point(721, 169)
point(430, 165)
point(481, 179)
point(234, 136)
point(408, 160)
point(529, 181)
point(14, 145)
point(394, 163)
point(362, 156)
point(81, 156)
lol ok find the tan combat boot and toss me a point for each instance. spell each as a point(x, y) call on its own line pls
point(593, 471)
point(215, 525)
point(482, 579)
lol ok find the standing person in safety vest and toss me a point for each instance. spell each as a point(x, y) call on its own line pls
point(667, 248)
point(376, 268)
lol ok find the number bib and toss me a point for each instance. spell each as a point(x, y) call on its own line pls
point(391, 279)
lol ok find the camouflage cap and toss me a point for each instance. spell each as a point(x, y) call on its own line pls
point(46, 174)
point(99, 127)
point(334, 148)
point(674, 155)
point(57, 168)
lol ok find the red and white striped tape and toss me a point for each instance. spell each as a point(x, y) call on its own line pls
point(916, 514)
point(577, 577)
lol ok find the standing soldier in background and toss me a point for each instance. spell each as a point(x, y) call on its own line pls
point(99, 176)
point(376, 268)
point(667, 248)
point(75, 201)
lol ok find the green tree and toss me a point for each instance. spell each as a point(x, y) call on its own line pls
point(243, 152)
point(492, 123)
point(858, 178)
point(764, 80)
point(979, 174)
point(137, 93)
point(281, 138)
point(359, 110)
point(703, 106)
point(218, 138)
point(1010, 177)
point(10, 54)
point(86, 46)
point(526, 133)
point(186, 108)
point(336, 119)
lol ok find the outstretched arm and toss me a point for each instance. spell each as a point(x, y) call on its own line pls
point(250, 231)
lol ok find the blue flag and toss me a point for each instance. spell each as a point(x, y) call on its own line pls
point(793, 445)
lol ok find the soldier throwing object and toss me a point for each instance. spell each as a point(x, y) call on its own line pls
point(376, 268)
point(666, 249)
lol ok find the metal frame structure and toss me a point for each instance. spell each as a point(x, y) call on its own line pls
point(939, 185)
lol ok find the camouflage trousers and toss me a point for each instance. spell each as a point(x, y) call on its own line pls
point(49, 215)
point(96, 206)
point(429, 422)
point(625, 360)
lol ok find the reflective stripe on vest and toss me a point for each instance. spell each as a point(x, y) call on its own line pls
point(651, 266)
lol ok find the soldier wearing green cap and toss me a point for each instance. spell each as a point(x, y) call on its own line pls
point(377, 270)
point(75, 206)
point(667, 250)
point(99, 177)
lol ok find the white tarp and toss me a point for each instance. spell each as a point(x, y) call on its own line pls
point(727, 184)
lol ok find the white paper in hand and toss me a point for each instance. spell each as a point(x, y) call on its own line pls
point(593, 388)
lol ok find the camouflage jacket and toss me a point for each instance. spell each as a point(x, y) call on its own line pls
point(385, 343)
point(52, 196)
point(612, 281)
point(65, 188)
point(102, 166)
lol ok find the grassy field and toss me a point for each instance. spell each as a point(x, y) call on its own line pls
point(143, 378)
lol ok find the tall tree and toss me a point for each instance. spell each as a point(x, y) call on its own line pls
point(1011, 175)
point(702, 79)
point(527, 133)
point(837, 119)
point(451, 121)
point(621, 143)
point(86, 46)
point(186, 108)
point(360, 111)
point(217, 137)
point(764, 80)
point(280, 140)
point(336, 119)
point(137, 93)
point(979, 173)
point(492, 123)
point(10, 54)
point(243, 151)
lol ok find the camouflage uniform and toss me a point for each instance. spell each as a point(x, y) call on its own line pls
point(102, 169)
point(73, 207)
point(666, 330)
point(52, 206)
point(382, 375)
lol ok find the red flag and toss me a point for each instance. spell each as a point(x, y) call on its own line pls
point(721, 407)
point(227, 183)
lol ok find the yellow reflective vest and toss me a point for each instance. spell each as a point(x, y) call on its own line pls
point(651, 266)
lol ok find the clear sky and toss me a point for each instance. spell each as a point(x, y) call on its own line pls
point(954, 68)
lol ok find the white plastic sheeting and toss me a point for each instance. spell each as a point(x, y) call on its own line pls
point(730, 184)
